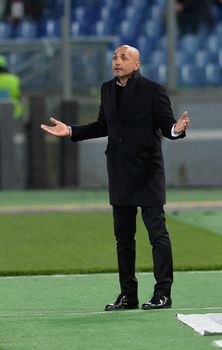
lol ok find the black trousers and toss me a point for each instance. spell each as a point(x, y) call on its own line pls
point(125, 229)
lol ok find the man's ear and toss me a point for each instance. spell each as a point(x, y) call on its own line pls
point(137, 66)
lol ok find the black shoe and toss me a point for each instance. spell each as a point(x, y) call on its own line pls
point(158, 301)
point(123, 303)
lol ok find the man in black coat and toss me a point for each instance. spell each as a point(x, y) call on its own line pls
point(194, 16)
point(135, 112)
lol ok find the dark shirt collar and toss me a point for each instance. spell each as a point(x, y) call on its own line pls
point(135, 75)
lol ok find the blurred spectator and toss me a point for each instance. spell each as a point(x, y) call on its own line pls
point(17, 10)
point(11, 86)
point(194, 16)
point(218, 2)
point(2, 7)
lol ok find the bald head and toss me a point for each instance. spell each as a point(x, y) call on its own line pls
point(126, 60)
point(130, 50)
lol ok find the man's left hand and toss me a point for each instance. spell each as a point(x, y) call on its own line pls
point(182, 123)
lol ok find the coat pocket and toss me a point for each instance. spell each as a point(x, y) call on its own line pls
point(143, 153)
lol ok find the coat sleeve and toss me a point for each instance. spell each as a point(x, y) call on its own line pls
point(163, 114)
point(91, 130)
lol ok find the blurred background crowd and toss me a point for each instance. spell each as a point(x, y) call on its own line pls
point(139, 23)
point(34, 74)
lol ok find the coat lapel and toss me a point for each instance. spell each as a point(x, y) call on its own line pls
point(126, 96)
point(127, 93)
point(113, 98)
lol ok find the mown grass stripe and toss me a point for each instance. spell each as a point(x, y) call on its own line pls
point(171, 206)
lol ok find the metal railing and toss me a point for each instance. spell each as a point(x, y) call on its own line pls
point(39, 63)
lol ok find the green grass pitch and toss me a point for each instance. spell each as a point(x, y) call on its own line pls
point(84, 242)
point(66, 311)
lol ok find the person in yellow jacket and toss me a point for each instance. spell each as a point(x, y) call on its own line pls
point(10, 84)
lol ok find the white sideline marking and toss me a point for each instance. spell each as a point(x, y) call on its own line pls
point(105, 274)
point(73, 314)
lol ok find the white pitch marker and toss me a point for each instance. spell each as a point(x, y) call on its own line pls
point(204, 324)
point(218, 343)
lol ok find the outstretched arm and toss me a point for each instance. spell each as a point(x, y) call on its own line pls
point(58, 129)
point(170, 127)
point(79, 132)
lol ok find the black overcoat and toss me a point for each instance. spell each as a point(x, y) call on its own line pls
point(134, 154)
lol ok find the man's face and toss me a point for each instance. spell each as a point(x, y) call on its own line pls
point(125, 61)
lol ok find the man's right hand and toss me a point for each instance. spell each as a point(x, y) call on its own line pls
point(59, 129)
